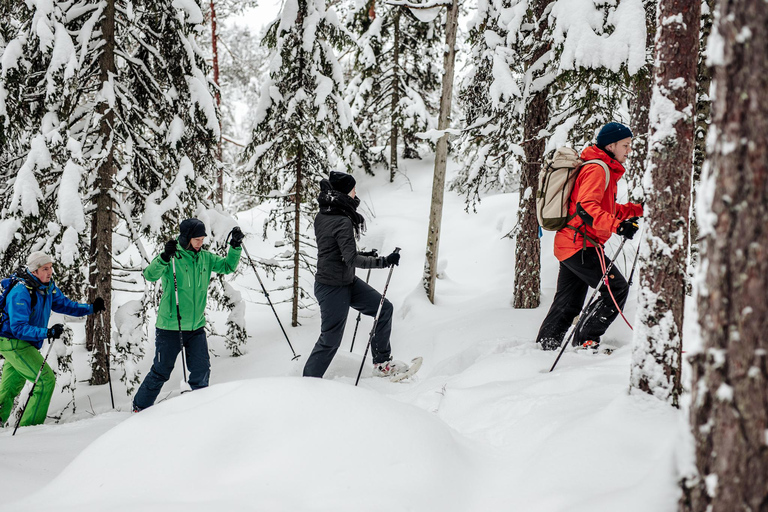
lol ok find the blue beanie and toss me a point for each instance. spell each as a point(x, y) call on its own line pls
point(612, 132)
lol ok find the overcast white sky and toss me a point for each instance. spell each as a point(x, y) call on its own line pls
point(258, 18)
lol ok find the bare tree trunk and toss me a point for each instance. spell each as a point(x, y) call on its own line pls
point(394, 107)
point(639, 111)
point(663, 263)
point(98, 327)
point(729, 406)
point(215, 52)
point(528, 246)
point(441, 153)
point(297, 240)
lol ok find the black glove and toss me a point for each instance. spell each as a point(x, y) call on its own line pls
point(237, 237)
point(169, 251)
point(628, 228)
point(98, 305)
point(373, 253)
point(393, 259)
point(56, 331)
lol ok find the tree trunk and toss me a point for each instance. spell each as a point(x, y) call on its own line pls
point(441, 153)
point(527, 292)
point(729, 406)
point(663, 262)
point(297, 240)
point(215, 53)
point(703, 118)
point(394, 107)
point(639, 110)
point(98, 327)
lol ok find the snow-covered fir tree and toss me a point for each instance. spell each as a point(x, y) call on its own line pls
point(303, 126)
point(396, 76)
point(110, 121)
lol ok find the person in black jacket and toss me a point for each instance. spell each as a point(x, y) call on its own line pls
point(337, 226)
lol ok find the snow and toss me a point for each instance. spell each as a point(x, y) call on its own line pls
point(579, 25)
point(482, 426)
point(26, 190)
point(193, 13)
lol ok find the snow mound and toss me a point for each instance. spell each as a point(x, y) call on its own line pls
point(270, 444)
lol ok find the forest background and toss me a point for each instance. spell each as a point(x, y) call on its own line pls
point(121, 118)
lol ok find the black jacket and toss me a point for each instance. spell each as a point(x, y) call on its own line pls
point(337, 254)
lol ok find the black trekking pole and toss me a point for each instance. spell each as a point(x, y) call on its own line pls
point(178, 317)
point(582, 317)
point(266, 293)
point(106, 355)
point(376, 320)
point(359, 314)
point(637, 253)
point(37, 377)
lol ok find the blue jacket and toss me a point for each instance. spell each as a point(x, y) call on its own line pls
point(22, 322)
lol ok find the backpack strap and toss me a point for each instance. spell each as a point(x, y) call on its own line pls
point(603, 165)
point(583, 233)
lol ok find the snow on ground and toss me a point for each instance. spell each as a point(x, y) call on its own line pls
point(483, 426)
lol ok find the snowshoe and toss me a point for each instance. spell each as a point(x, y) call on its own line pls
point(410, 372)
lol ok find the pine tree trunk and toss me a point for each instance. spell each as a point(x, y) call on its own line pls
point(527, 292)
point(703, 118)
point(663, 261)
point(215, 54)
point(98, 327)
point(729, 406)
point(639, 112)
point(297, 240)
point(441, 153)
point(394, 110)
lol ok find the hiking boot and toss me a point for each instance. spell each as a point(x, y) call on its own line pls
point(582, 343)
point(389, 368)
point(549, 344)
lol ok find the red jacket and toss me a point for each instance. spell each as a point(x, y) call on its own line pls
point(598, 201)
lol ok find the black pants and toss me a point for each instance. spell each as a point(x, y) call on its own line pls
point(335, 302)
point(577, 274)
point(167, 348)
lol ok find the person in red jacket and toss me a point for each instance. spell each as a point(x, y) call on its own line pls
point(578, 246)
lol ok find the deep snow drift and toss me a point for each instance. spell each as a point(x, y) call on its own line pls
point(483, 426)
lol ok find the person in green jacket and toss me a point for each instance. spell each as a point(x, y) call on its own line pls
point(193, 275)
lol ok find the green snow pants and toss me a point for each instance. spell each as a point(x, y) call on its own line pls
point(22, 362)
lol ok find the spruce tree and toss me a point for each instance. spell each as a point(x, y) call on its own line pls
point(109, 118)
point(396, 78)
point(303, 127)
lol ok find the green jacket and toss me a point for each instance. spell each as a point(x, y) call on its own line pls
point(193, 275)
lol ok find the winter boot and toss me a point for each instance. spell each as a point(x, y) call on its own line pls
point(389, 368)
point(590, 344)
point(549, 344)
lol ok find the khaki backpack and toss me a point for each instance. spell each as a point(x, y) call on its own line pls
point(556, 182)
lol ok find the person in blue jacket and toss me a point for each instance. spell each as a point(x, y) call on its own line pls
point(25, 317)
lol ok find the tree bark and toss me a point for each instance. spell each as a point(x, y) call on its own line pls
point(663, 260)
point(394, 107)
point(215, 54)
point(297, 240)
point(98, 327)
point(639, 111)
point(527, 292)
point(729, 405)
point(703, 118)
point(441, 153)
